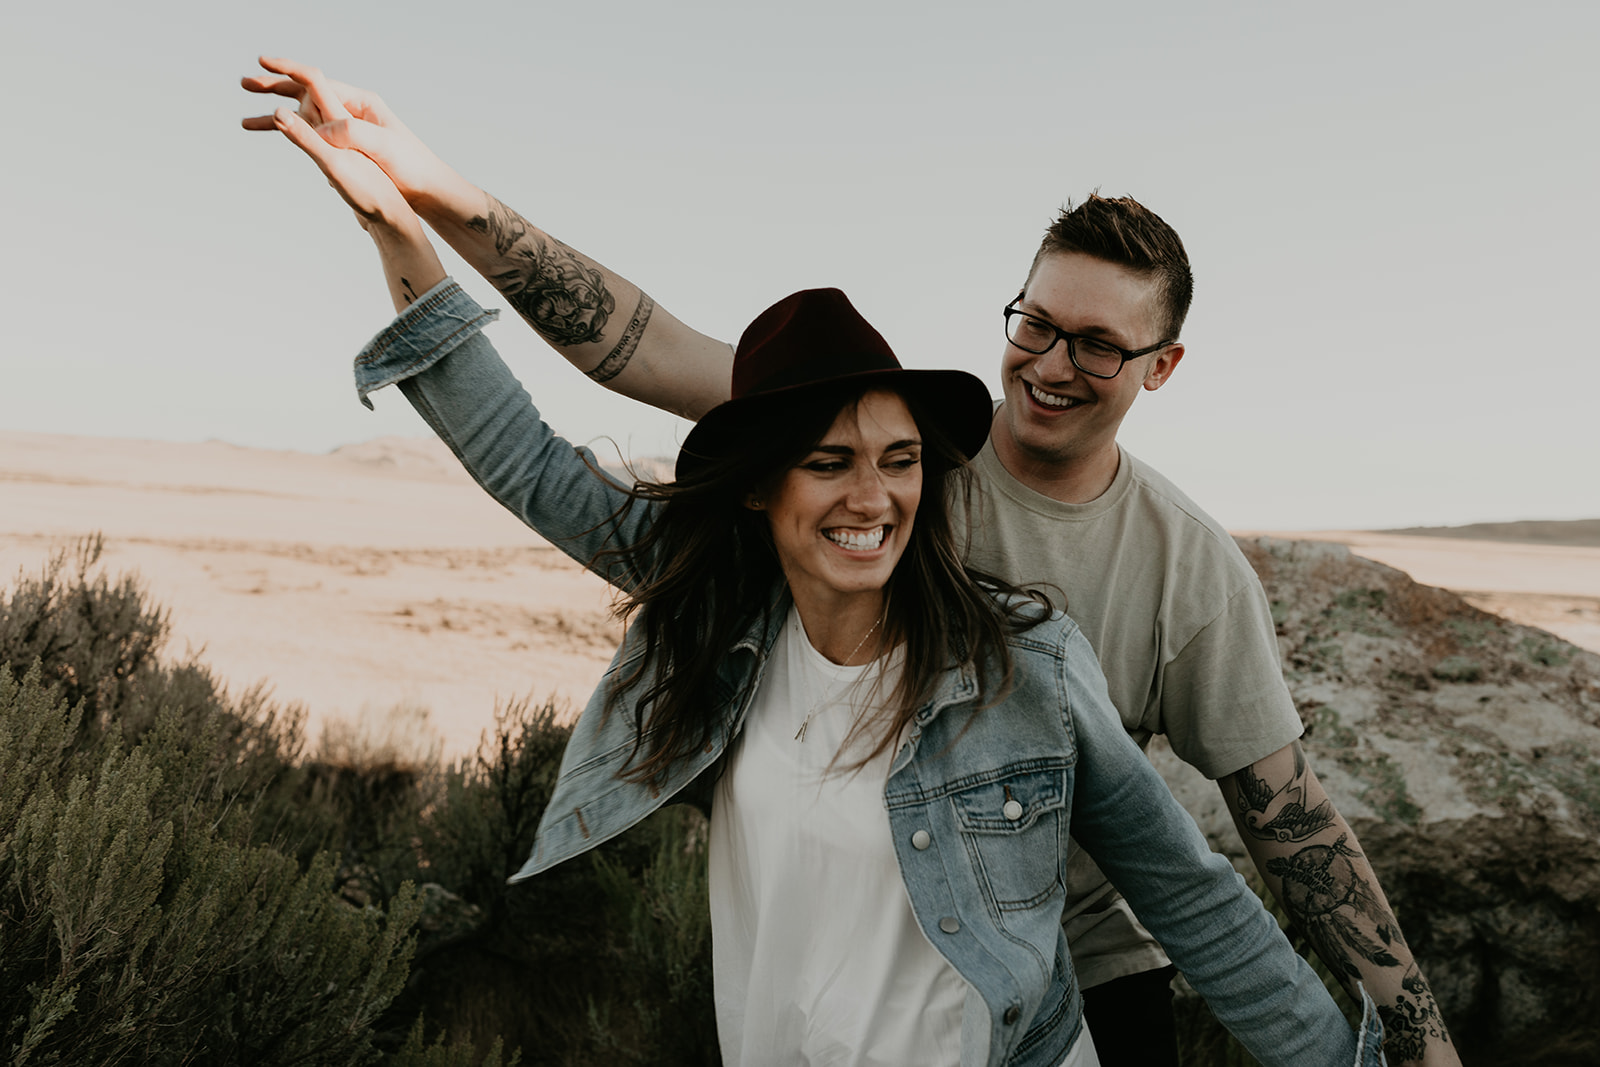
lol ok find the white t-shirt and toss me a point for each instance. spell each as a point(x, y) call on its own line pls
point(817, 956)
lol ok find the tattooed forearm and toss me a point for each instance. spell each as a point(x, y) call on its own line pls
point(503, 225)
point(548, 284)
point(1336, 910)
point(1281, 814)
point(1314, 866)
point(1334, 907)
point(619, 356)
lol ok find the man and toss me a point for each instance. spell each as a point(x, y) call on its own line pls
point(1179, 621)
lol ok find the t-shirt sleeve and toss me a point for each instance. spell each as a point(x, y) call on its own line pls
point(1223, 699)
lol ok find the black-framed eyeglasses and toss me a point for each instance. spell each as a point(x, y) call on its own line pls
point(1096, 358)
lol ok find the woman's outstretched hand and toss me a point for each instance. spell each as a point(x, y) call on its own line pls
point(362, 183)
point(349, 118)
point(410, 265)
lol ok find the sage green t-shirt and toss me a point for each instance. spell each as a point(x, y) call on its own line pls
point(1182, 629)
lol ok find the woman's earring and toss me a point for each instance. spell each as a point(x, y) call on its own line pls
point(754, 503)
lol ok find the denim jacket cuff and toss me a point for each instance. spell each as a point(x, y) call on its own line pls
point(420, 336)
point(1369, 1039)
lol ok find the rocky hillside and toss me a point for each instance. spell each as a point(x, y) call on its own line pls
point(1465, 750)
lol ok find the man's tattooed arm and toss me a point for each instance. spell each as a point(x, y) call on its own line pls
point(560, 294)
point(1309, 857)
point(579, 307)
point(628, 344)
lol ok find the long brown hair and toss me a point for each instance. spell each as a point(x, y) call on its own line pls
point(708, 569)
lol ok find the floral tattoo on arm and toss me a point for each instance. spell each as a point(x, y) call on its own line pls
point(548, 284)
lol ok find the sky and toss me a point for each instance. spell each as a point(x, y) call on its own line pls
point(1390, 210)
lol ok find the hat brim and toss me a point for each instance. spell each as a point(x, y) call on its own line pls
point(957, 401)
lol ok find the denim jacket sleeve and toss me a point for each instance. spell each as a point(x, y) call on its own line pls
point(436, 353)
point(1210, 923)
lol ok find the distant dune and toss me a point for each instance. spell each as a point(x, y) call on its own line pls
point(1574, 533)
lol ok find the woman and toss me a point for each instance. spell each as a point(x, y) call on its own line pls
point(896, 750)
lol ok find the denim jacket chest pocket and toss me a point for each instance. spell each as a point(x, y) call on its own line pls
point(1014, 827)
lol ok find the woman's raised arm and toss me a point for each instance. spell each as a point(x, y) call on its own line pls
point(472, 401)
point(596, 319)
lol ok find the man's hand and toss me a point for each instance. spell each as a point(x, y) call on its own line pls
point(352, 118)
point(1313, 864)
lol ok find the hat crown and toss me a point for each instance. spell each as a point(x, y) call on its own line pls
point(813, 338)
point(809, 336)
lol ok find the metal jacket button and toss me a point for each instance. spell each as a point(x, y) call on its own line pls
point(921, 840)
point(950, 925)
point(1012, 810)
point(1012, 1014)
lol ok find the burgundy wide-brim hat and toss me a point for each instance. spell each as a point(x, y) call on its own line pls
point(816, 338)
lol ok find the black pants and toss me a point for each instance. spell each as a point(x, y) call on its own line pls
point(1131, 1020)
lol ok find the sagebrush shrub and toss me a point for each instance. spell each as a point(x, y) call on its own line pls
point(142, 926)
point(180, 883)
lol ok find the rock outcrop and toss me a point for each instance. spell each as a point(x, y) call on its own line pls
point(1465, 751)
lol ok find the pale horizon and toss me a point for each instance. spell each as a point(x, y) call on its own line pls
point(1390, 212)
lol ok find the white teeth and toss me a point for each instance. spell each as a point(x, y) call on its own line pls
point(860, 540)
point(1050, 400)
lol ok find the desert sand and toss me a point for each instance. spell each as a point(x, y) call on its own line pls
point(375, 579)
point(381, 589)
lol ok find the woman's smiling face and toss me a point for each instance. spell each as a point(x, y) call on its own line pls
point(841, 518)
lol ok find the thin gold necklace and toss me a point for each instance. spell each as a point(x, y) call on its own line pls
point(827, 689)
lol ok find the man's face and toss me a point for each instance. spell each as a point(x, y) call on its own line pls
point(1057, 419)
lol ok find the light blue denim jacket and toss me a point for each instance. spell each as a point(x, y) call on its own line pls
point(985, 886)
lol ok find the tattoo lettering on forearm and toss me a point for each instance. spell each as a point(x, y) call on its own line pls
point(409, 293)
point(547, 283)
point(1281, 814)
point(619, 356)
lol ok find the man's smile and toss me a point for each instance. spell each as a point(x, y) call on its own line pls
point(1052, 400)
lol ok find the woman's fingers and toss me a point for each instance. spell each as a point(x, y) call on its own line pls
point(303, 137)
point(278, 85)
point(321, 99)
point(275, 85)
point(362, 184)
point(343, 118)
point(320, 92)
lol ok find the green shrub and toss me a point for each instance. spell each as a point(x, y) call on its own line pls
point(604, 959)
point(169, 890)
point(141, 926)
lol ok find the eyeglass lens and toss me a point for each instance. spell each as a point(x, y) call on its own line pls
point(1037, 336)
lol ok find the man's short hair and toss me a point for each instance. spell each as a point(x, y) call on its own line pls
point(1123, 231)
